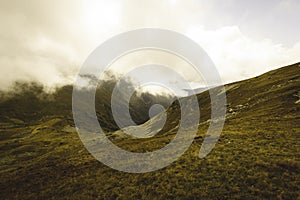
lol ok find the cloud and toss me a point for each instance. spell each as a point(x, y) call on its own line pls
point(239, 57)
point(47, 41)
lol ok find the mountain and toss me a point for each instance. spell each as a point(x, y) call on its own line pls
point(256, 157)
point(28, 103)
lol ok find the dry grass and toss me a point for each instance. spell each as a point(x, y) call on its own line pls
point(257, 156)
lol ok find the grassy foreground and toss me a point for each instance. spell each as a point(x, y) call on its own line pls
point(256, 157)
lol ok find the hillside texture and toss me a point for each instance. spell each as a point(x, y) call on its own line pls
point(256, 157)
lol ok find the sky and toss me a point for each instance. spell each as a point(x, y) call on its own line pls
point(48, 41)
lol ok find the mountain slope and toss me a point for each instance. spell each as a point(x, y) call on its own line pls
point(28, 103)
point(256, 157)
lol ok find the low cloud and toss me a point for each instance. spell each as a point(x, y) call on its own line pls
point(49, 41)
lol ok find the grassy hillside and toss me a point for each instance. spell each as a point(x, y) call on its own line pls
point(256, 157)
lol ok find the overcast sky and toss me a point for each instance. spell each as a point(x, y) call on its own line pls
point(48, 41)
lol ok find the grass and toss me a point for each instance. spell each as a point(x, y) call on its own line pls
point(256, 157)
point(249, 164)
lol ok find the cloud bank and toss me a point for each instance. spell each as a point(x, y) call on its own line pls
point(238, 56)
point(48, 41)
